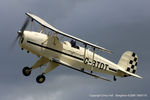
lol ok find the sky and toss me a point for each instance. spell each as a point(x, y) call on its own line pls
point(118, 25)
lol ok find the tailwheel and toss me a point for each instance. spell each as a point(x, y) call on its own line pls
point(40, 78)
point(26, 71)
point(115, 79)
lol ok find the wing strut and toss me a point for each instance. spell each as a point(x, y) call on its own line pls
point(84, 56)
point(85, 51)
point(31, 24)
point(93, 59)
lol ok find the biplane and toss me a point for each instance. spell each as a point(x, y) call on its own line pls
point(48, 45)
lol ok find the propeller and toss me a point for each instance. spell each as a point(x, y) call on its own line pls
point(15, 41)
point(24, 26)
point(20, 32)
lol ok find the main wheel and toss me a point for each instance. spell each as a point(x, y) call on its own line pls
point(40, 79)
point(26, 71)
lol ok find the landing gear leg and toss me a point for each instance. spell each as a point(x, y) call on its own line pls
point(115, 78)
point(50, 67)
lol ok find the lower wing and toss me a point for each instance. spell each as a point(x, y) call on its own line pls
point(67, 65)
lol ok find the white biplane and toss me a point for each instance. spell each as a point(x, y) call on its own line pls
point(54, 52)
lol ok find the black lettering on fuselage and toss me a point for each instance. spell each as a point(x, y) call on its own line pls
point(106, 66)
point(102, 66)
point(96, 64)
point(93, 63)
point(86, 60)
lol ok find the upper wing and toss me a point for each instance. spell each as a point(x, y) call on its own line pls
point(45, 24)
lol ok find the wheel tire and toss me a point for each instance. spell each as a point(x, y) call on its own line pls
point(40, 79)
point(26, 71)
point(115, 79)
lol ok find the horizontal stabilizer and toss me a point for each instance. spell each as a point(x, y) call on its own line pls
point(129, 73)
point(67, 65)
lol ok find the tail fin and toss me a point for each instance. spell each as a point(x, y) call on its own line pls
point(128, 63)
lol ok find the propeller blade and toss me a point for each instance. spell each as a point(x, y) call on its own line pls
point(14, 42)
point(24, 26)
point(20, 33)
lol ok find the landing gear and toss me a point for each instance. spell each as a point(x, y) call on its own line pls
point(115, 78)
point(82, 69)
point(26, 71)
point(40, 78)
point(91, 72)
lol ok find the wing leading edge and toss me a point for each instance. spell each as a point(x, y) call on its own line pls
point(45, 24)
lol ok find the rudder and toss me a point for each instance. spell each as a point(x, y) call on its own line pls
point(128, 61)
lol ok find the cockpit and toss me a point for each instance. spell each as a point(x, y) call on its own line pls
point(73, 44)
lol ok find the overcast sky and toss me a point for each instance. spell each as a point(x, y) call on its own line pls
point(118, 25)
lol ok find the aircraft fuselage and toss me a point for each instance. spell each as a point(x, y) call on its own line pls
point(50, 47)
